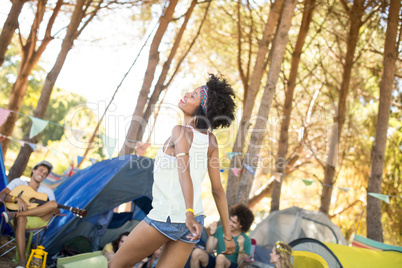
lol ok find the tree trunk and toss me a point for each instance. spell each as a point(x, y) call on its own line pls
point(281, 163)
point(30, 57)
point(355, 16)
point(258, 133)
point(72, 33)
point(9, 27)
point(160, 85)
point(153, 60)
point(374, 226)
point(252, 90)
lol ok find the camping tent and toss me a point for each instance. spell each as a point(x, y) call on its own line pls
point(53, 180)
point(292, 223)
point(5, 228)
point(364, 242)
point(3, 177)
point(312, 253)
point(99, 189)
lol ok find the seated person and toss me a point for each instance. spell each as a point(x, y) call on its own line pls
point(151, 261)
point(111, 248)
point(241, 218)
point(280, 255)
point(26, 218)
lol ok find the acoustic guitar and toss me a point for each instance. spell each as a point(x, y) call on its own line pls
point(34, 199)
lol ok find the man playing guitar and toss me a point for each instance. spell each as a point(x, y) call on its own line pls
point(26, 218)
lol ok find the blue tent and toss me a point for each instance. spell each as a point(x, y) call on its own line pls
point(3, 177)
point(3, 183)
point(99, 189)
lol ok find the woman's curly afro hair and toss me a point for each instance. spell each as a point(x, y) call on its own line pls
point(244, 216)
point(220, 105)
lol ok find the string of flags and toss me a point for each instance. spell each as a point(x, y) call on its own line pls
point(278, 176)
point(38, 125)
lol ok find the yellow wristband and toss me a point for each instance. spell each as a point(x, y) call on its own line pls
point(13, 199)
point(190, 210)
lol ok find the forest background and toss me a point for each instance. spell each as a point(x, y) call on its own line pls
point(318, 85)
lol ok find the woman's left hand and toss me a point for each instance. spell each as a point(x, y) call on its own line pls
point(194, 227)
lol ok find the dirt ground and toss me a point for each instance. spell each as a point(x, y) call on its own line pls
point(6, 260)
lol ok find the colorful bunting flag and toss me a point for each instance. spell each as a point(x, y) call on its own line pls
point(33, 146)
point(109, 143)
point(232, 154)
point(54, 152)
point(77, 133)
point(277, 177)
point(4, 113)
point(382, 197)
point(236, 171)
point(307, 182)
point(79, 159)
point(344, 188)
point(222, 170)
point(249, 168)
point(37, 126)
point(93, 160)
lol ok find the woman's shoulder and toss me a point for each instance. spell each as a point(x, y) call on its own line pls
point(179, 130)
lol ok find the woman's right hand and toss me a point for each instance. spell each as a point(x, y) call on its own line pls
point(194, 227)
point(230, 247)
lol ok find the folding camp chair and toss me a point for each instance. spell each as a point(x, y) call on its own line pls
point(36, 233)
point(247, 262)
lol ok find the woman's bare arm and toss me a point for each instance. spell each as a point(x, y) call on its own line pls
point(219, 193)
point(182, 146)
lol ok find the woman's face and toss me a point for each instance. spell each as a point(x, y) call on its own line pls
point(274, 256)
point(190, 101)
point(122, 239)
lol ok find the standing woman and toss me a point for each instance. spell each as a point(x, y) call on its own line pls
point(177, 216)
point(280, 255)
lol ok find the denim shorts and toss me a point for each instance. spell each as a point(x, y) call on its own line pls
point(175, 231)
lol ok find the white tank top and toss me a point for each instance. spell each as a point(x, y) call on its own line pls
point(168, 199)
